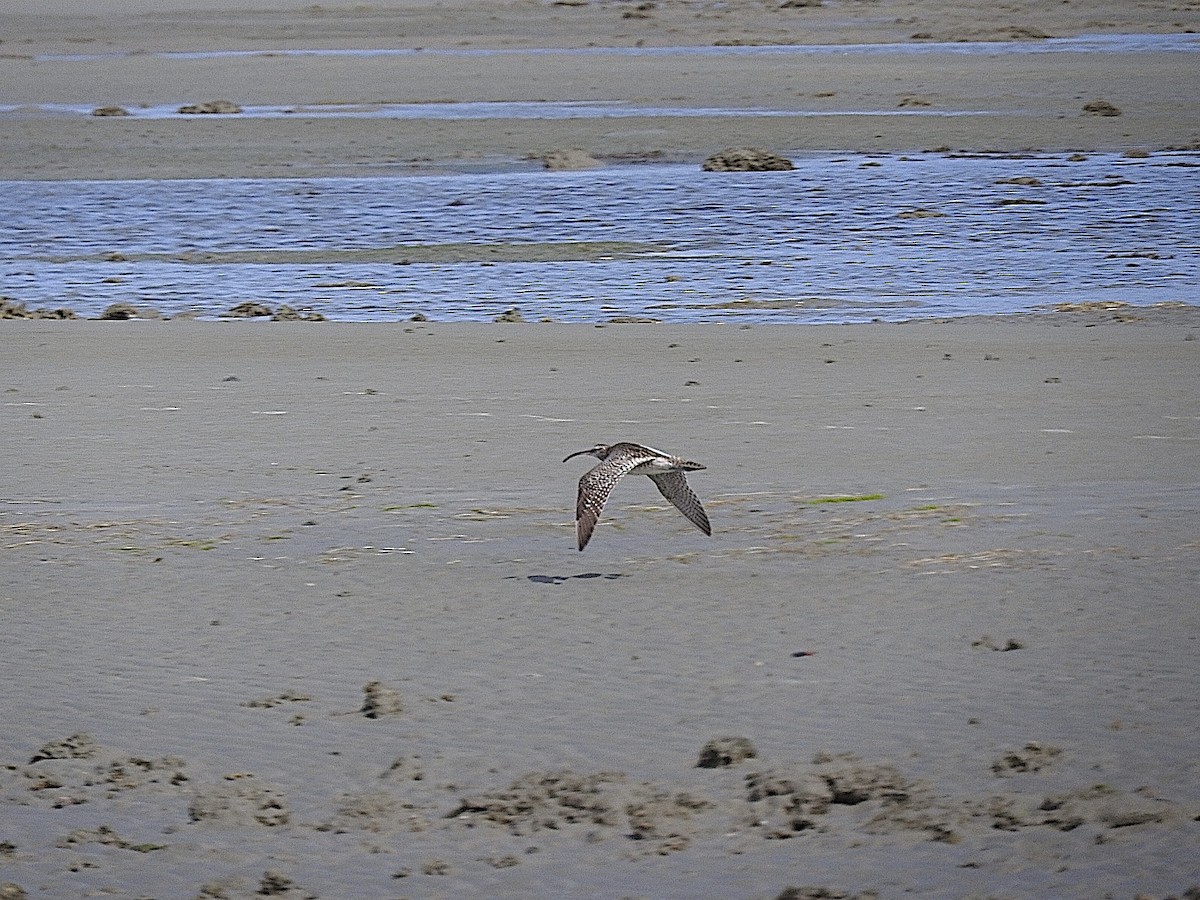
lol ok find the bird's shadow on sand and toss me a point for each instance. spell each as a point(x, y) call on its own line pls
point(559, 579)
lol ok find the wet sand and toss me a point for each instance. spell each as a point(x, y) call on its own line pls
point(296, 609)
point(896, 101)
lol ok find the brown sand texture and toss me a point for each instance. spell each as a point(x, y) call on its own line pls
point(295, 610)
point(894, 101)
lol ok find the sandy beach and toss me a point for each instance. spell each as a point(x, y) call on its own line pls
point(496, 52)
point(295, 609)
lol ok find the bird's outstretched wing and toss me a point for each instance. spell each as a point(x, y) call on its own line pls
point(674, 487)
point(598, 482)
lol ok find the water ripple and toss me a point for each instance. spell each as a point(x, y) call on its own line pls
point(1109, 43)
point(840, 238)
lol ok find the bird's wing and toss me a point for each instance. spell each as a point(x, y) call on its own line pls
point(598, 482)
point(674, 487)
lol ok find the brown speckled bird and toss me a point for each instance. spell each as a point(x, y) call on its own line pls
point(617, 460)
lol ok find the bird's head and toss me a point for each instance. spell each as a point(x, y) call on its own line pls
point(600, 451)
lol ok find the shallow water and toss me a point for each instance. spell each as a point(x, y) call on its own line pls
point(1093, 43)
point(840, 238)
point(471, 110)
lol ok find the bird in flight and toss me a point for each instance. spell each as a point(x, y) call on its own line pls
point(617, 460)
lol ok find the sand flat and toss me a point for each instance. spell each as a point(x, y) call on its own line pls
point(1001, 101)
point(222, 537)
point(294, 609)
